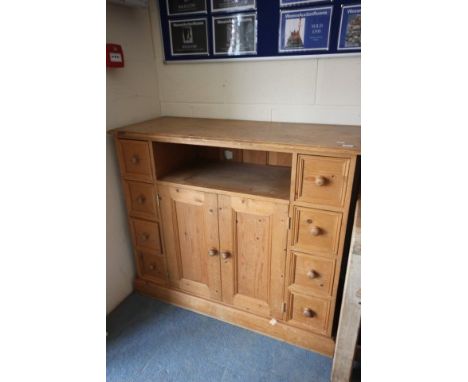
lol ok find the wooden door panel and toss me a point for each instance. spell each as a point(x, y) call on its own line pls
point(190, 220)
point(253, 233)
point(191, 241)
point(253, 236)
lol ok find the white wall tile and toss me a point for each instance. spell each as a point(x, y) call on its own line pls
point(339, 81)
point(191, 83)
point(232, 111)
point(262, 82)
point(340, 115)
point(177, 109)
point(132, 93)
point(226, 111)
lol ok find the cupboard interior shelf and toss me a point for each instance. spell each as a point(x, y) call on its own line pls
point(245, 178)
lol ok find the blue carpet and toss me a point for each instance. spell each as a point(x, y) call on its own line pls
point(152, 341)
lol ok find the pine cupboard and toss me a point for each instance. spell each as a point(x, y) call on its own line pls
point(242, 221)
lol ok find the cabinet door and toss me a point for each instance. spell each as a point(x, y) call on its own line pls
point(190, 225)
point(253, 251)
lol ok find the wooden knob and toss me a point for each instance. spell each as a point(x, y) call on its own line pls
point(212, 252)
point(225, 255)
point(144, 236)
point(315, 231)
point(311, 274)
point(151, 267)
point(320, 180)
point(140, 199)
point(134, 159)
point(308, 312)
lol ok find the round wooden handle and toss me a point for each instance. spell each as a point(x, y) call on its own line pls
point(308, 312)
point(212, 252)
point(151, 267)
point(140, 199)
point(311, 274)
point(144, 236)
point(320, 180)
point(225, 255)
point(134, 159)
point(315, 231)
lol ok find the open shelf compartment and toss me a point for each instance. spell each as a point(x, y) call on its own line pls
point(259, 173)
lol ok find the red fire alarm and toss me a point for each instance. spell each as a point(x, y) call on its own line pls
point(114, 56)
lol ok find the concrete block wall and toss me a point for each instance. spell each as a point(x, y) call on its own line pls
point(317, 90)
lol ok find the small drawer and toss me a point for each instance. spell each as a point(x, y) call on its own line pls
point(316, 231)
point(309, 313)
point(146, 235)
point(312, 274)
point(135, 159)
point(152, 266)
point(141, 199)
point(322, 180)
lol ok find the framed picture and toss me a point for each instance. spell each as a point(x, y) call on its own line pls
point(350, 28)
point(303, 30)
point(232, 5)
point(287, 3)
point(235, 35)
point(185, 7)
point(189, 37)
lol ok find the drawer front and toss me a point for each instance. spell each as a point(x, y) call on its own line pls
point(309, 313)
point(312, 274)
point(135, 159)
point(146, 235)
point(322, 180)
point(316, 231)
point(141, 199)
point(152, 266)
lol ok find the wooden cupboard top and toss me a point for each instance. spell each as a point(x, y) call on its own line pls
point(275, 136)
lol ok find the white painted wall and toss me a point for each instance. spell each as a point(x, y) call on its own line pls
point(322, 90)
point(132, 96)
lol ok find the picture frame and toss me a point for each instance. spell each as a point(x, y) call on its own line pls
point(191, 38)
point(244, 5)
point(305, 30)
point(349, 35)
point(222, 36)
point(193, 7)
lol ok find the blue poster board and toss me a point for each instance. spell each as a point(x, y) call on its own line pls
point(312, 27)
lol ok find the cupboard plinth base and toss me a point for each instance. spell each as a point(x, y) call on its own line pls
point(280, 331)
